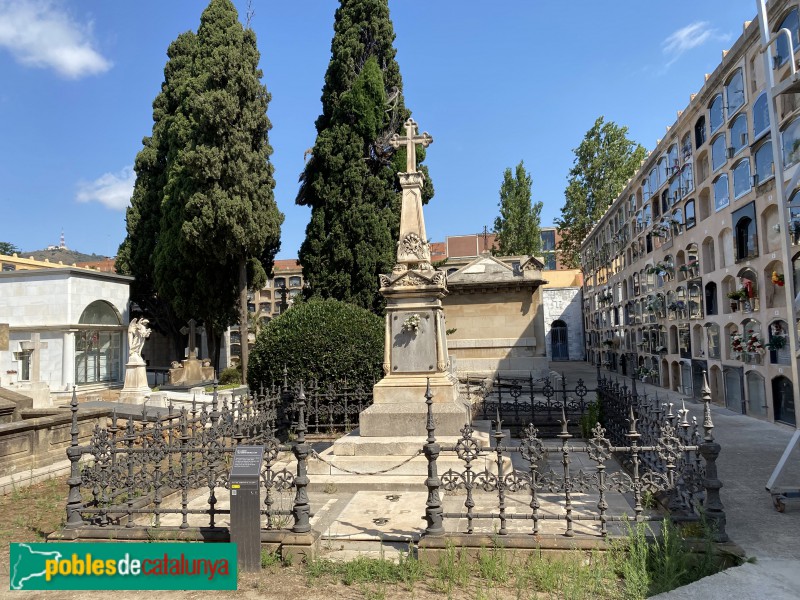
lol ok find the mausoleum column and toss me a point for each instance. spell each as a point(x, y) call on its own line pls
point(68, 360)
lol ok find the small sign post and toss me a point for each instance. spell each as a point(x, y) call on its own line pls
point(245, 482)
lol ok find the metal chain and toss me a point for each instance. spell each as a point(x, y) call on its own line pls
point(381, 472)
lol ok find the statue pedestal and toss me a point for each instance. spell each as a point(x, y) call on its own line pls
point(191, 372)
point(136, 388)
point(399, 408)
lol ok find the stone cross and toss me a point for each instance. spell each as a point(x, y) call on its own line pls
point(411, 139)
point(191, 354)
point(35, 346)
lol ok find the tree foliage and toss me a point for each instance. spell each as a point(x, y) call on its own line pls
point(8, 248)
point(324, 340)
point(518, 227)
point(604, 161)
point(203, 212)
point(350, 182)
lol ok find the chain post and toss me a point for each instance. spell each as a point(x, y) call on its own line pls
point(710, 450)
point(301, 509)
point(74, 452)
point(433, 505)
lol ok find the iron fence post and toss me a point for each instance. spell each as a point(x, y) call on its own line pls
point(710, 451)
point(433, 505)
point(301, 509)
point(74, 452)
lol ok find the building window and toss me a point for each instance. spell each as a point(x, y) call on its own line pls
point(8, 267)
point(98, 351)
point(548, 240)
point(280, 282)
point(760, 115)
point(790, 22)
point(719, 152)
point(739, 134)
point(741, 178)
point(734, 92)
point(715, 114)
point(295, 282)
point(721, 194)
point(711, 298)
point(661, 166)
point(687, 179)
point(712, 331)
point(791, 143)
point(686, 147)
point(745, 233)
point(765, 168)
point(24, 357)
point(700, 132)
point(691, 221)
point(265, 307)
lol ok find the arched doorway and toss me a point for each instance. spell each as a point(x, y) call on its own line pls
point(783, 400)
point(558, 340)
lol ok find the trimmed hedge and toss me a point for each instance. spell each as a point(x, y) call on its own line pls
point(326, 340)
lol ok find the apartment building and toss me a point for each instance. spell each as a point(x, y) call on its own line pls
point(683, 274)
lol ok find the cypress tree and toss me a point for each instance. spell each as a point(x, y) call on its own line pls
point(350, 182)
point(518, 227)
point(218, 225)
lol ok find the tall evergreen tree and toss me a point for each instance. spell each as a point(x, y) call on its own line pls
point(518, 227)
point(604, 161)
point(350, 182)
point(206, 173)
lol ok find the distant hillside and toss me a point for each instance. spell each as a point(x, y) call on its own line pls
point(62, 254)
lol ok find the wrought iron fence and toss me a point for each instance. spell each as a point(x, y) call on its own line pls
point(521, 401)
point(335, 407)
point(127, 470)
point(666, 456)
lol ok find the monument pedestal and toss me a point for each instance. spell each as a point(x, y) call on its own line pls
point(399, 409)
point(136, 388)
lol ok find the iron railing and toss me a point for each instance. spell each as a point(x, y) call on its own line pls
point(666, 457)
point(126, 471)
point(521, 401)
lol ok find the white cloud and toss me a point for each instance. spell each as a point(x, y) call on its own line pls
point(112, 189)
point(689, 37)
point(39, 33)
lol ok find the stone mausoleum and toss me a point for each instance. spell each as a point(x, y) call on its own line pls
point(66, 327)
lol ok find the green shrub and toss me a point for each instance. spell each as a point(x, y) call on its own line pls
point(231, 375)
point(323, 340)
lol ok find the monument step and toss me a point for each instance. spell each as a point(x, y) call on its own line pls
point(396, 465)
point(353, 444)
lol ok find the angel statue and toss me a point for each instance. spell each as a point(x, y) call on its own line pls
point(138, 332)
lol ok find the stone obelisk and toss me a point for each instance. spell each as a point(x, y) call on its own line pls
point(415, 349)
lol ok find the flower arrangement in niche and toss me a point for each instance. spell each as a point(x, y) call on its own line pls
point(753, 343)
point(778, 279)
point(411, 323)
point(736, 342)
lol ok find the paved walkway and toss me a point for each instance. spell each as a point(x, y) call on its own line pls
point(750, 450)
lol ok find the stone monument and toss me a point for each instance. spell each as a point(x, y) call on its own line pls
point(136, 387)
point(415, 349)
point(191, 371)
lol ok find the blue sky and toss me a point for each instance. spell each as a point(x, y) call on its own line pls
point(494, 83)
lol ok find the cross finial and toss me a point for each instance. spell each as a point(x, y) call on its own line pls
point(410, 140)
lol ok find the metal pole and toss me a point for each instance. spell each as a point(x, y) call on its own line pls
point(777, 159)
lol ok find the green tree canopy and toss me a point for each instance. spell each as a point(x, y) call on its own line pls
point(8, 248)
point(203, 225)
point(604, 161)
point(350, 182)
point(518, 227)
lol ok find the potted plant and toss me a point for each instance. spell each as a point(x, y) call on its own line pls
point(735, 297)
point(777, 342)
